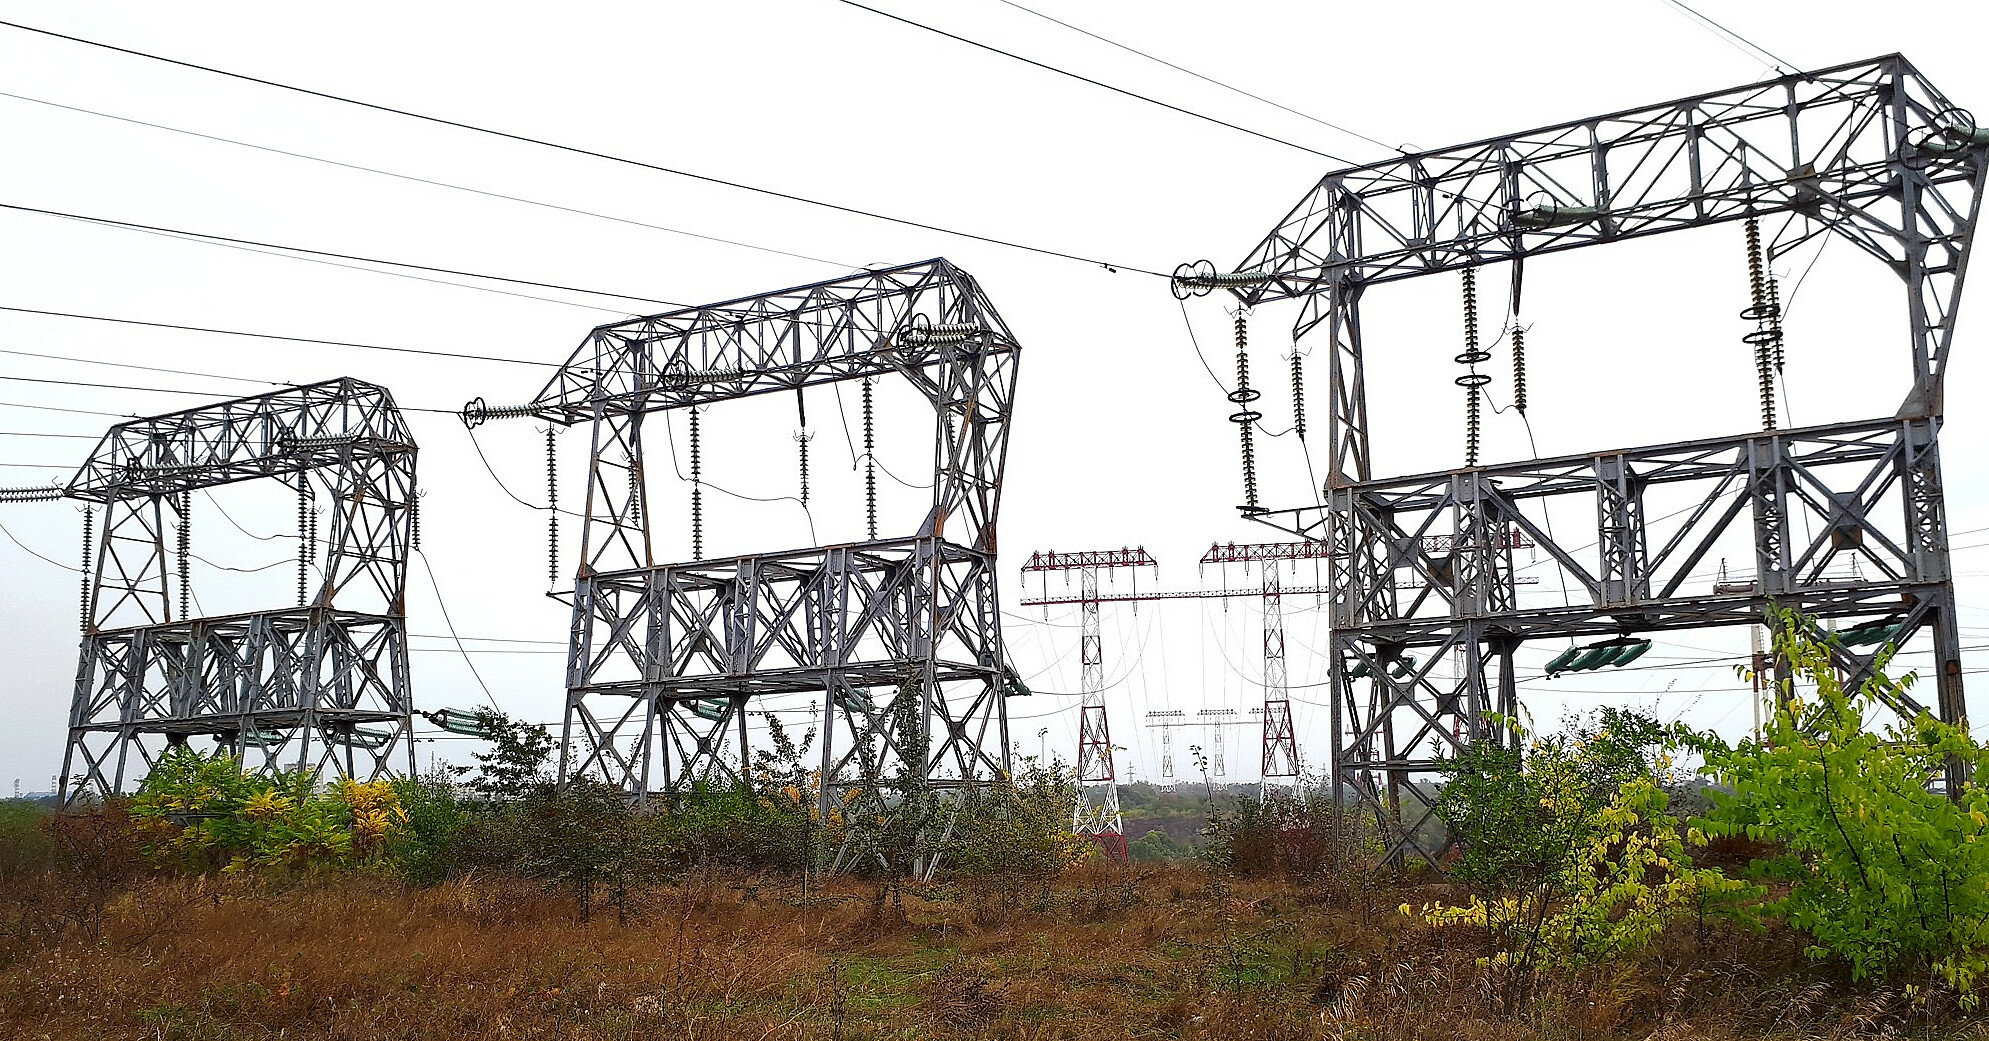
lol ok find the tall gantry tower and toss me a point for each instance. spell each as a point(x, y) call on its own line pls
point(666, 659)
point(1869, 152)
point(1096, 813)
point(321, 686)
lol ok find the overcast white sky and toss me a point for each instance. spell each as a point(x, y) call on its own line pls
point(1119, 435)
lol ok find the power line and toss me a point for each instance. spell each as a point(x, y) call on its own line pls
point(424, 180)
point(253, 244)
point(1781, 65)
point(1206, 79)
point(281, 337)
point(575, 149)
point(1096, 83)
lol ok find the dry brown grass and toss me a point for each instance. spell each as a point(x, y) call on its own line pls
point(1106, 953)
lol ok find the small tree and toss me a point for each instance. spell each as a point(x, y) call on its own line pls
point(1882, 872)
point(515, 767)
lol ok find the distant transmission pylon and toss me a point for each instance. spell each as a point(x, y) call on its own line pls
point(1097, 811)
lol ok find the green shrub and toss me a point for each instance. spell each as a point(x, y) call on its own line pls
point(1882, 872)
point(427, 847)
point(202, 813)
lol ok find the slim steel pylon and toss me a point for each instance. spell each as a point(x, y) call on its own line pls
point(1097, 811)
point(322, 686)
point(1279, 739)
point(1868, 151)
point(666, 660)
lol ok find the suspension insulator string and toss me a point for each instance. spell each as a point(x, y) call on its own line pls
point(801, 439)
point(634, 491)
point(414, 526)
point(1297, 393)
point(89, 523)
point(1519, 369)
point(1775, 319)
point(697, 490)
point(1472, 381)
point(303, 536)
point(869, 462)
point(184, 503)
point(1245, 417)
point(552, 508)
point(1765, 313)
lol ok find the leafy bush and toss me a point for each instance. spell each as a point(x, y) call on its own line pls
point(1627, 880)
point(1517, 819)
point(200, 813)
point(1881, 871)
point(1570, 849)
point(427, 847)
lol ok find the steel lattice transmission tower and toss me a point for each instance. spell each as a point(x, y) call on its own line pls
point(322, 686)
point(1279, 738)
point(1868, 151)
point(666, 659)
point(1096, 813)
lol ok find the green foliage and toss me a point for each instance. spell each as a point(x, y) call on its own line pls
point(201, 813)
point(516, 767)
point(1517, 818)
point(1020, 827)
point(425, 850)
point(1571, 850)
point(1280, 832)
point(1881, 871)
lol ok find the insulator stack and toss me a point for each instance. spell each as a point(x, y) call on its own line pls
point(89, 529)
point(1473, 380)
point(414, 526)
point(552, 509)
point(697, 491)
point(303, 538)
point(634, 490)
point(1519, 369)
point(801, 439)
point(1298, 394)
point(185, 507)
point(869, 462)
point(1765, 312)
point(1245, 417)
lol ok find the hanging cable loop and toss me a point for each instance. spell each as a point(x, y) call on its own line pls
point(1245, 417)
point(1472, 381)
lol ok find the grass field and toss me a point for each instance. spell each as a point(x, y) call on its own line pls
point(1104, 953)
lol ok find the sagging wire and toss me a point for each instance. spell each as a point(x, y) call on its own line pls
point(1245, 417)
point(869, 461)
point(1472, 381)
